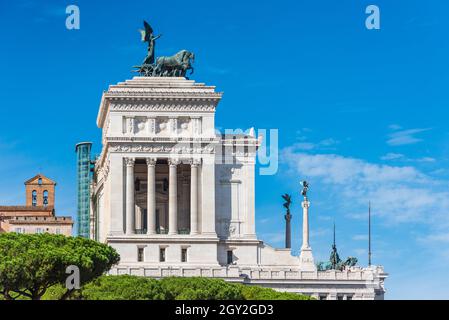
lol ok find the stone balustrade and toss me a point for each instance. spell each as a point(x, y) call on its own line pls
point(354, 274)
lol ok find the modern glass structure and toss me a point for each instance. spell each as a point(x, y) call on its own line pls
point(83, 151)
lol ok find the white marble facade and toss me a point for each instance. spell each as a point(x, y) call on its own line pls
point(175, 197)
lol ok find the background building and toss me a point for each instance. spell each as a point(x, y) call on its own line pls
point(84, 177)
point(38, 215)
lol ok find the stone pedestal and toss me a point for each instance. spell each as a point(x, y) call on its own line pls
point(306, 261)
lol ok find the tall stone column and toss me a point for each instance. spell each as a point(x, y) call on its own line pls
point(151, 196)
point(194, 196)
point(130, 196)
point(305, 224)
point(306, 261)
point(288, 230)
point(173, 197)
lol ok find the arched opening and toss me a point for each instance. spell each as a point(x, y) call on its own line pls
point(45, 198)
point(34, 198)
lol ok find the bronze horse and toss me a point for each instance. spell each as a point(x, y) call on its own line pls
point(176, 65)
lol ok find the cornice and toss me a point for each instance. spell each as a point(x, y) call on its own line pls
point(191, 99)
point(185, 140)
point(165, 94)
point(162, 107)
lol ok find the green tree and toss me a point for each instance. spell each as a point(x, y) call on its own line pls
point(32, 263)
point(123, 287)
point(260, 293)
point(139, 288)
point(199, 289)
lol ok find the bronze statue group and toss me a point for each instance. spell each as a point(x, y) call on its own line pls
point(173, 66)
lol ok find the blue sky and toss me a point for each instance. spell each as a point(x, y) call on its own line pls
point(362, 114)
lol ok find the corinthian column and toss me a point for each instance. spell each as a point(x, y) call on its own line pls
point(151, 196)
point(194, 196)
point(130, 196)
point(173, 197)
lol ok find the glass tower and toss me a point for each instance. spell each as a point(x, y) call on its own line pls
point(84, 178)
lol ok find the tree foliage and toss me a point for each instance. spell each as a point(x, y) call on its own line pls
point(200, 289)
point(139, 288)
point(123, 287)
point(260, 293)
point(32, 263)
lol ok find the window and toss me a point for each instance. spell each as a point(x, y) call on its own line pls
point(39, 181)
point(45, 198)
point(39, 230)
point(34, 198)
point(349, 297)
point(322, 297)
point(162, 254)
point(230, 257)
point(140, 254)
point(340, 297)
point(184, 255)
point(58, 231)
point(19, 230)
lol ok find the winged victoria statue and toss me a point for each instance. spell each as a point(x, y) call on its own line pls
point(173, 66)
point(305, 188)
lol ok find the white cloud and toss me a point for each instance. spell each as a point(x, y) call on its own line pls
point(392, 156)
point(326, 144)
point(305, 145)
point(394, 127)
point(360, 252)
point(426, 159)
point(398, 193)
point(404, 137)
point(319, 232)
point(400, 157)
point(360, 237)
point(325, 218)
point(436, 237)
point(273, 239)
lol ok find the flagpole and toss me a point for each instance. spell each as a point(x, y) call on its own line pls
point(369, 234)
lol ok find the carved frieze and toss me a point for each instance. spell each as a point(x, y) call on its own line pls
point(140, 125)
point(152, 126)
point(129, 125)
point(162, 125)
point(161, 148)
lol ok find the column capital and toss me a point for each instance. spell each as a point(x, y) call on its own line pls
point(151, 161)
point(130, 162)
point(194, 162)
point(173, 161)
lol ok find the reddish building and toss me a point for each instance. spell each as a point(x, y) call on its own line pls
point(38, 215)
